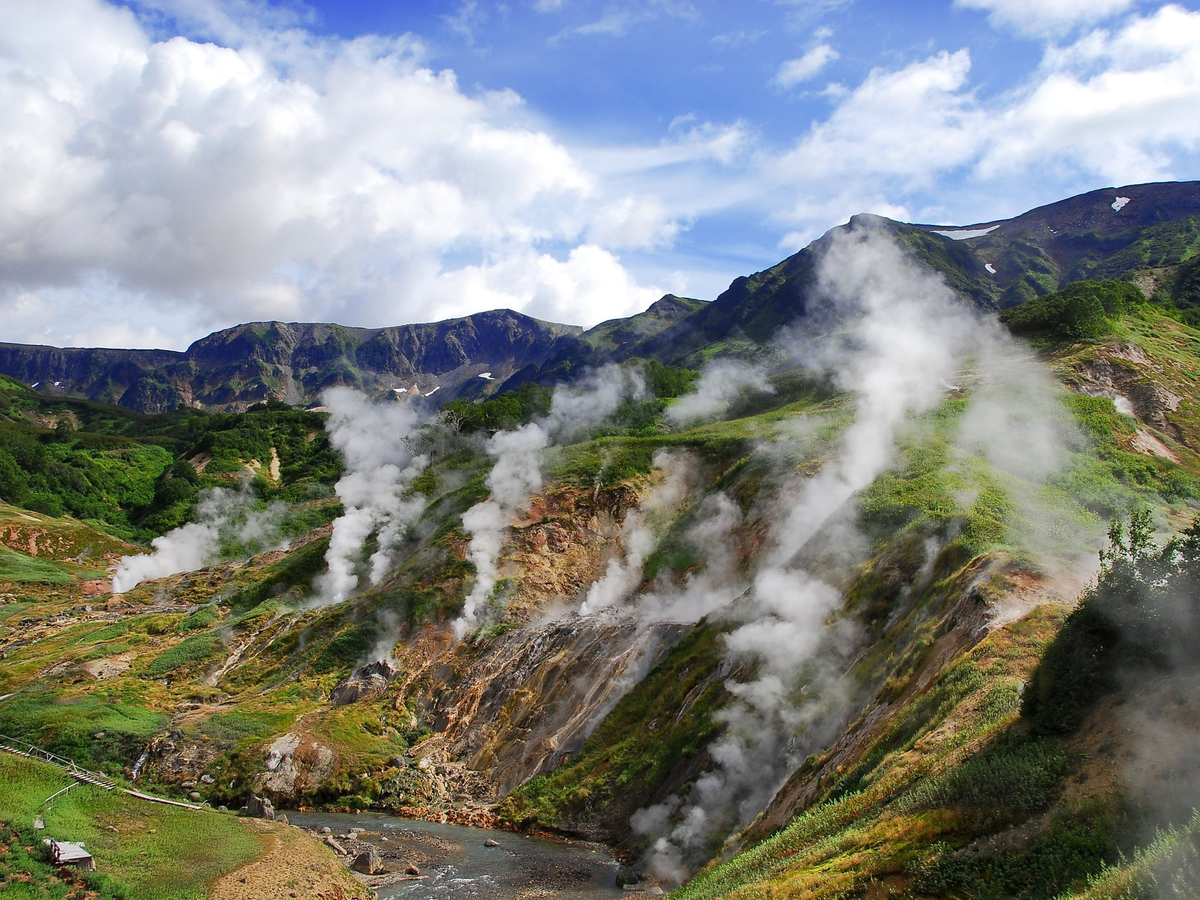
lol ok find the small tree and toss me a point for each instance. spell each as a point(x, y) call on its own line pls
point(1143, 613)
point(64, 431)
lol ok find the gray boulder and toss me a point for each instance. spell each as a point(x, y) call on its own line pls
point(369, 862)
point(260, 808)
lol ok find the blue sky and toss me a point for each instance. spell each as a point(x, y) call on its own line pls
point(176, 166)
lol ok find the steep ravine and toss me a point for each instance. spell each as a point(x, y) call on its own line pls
point(523, 703)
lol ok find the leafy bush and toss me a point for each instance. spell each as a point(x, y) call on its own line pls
point(1081, 311)
point(500, 413)
point(200, 619)
point(1141, 613)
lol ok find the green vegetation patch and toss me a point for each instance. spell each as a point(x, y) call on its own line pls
point(202, 618)
point(242, 727)
point(22, 569)
point(1164, 244)
point(1072, 846)
point(291, 576)
point(188, 653)
point(104, 728)
point(102, 634)
point(146, 851)
point(1083, 310)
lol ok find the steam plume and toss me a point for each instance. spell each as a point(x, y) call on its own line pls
point(721, 382)
point(624, 573)
point(899, 335)
point(712, 536)
point(516, 474)
point(380, 466)
point(223, 517)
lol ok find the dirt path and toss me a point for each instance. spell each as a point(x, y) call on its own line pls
point(293, 865)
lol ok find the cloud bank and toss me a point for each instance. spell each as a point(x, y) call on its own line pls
point(287, 177)
point(154, 188)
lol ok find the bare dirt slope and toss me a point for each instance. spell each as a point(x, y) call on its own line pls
point(293, 864)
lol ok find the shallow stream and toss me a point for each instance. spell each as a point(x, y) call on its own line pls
point(455, 864)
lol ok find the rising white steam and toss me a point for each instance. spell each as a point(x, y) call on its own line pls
point(721, 382)
point(380, 465)
point(899, 336)
point(517, 472)
point(515, 476)
point(223, 517)
point(712, 537)
point(638, 533)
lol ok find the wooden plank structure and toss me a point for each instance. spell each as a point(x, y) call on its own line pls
point(85, 776)
point(31, 751)
point(67, 853)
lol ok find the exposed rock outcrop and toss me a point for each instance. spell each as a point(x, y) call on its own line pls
point(295, 764)
point(369, 862)
point(260, 808)
point(521, 702)
point(367, 681)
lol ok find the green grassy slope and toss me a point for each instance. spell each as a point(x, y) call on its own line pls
point(944, 769)
point(143, 850)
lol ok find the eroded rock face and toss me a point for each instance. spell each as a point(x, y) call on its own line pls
point(260, 808)
point(367, 682)
point(1123, 375)
point(295, 763)
point(532, 696)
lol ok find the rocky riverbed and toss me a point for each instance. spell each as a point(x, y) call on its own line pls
point(421, 860)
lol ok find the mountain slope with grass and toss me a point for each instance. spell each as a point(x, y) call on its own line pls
point(803, 620)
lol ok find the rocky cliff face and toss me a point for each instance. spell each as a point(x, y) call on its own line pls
point(293, 363)
point(525, 702)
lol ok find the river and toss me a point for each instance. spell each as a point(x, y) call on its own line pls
point(456, 864)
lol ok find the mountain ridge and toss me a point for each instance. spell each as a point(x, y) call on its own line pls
point(237, 367)
point(1146, 237)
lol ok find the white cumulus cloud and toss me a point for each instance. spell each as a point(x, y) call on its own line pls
point(289, 178)
point(797, 71)
point(1046, 16)
point(1105, 108)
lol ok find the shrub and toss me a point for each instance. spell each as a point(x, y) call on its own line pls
point(1141, 613)
point(1081, 311)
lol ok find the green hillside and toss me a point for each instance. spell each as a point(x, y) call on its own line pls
point(942, 695)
